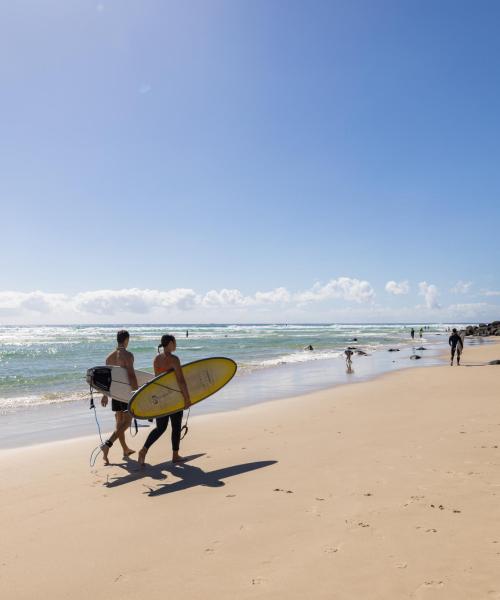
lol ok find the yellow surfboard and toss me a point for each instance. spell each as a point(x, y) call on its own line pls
point(161, 396)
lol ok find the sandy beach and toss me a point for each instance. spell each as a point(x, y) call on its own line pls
point(384, 489)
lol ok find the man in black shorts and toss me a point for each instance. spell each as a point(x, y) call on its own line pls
point(456, 344)
point(120, 357)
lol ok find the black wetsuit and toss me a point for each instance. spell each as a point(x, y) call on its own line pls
point(161, 427)
point(455, 342)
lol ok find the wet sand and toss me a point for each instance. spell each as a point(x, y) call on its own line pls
point(384, 489)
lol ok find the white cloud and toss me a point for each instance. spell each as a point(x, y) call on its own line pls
point(398, 289)
point(473, 310)
point(461, 287)
point(133, 300)
point(430, 293)
point(490, 293)
point(343, 299)
point(225, 298)
point(37, 302)
point(343, 287)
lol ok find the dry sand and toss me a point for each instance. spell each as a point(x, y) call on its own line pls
point(386, 489)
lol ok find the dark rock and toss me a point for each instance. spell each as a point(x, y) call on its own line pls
point(421, 348)
point(494, 362)
point(415, 357)
point(393, 350)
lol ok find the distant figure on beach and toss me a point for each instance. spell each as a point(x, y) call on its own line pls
point(412, 333)
point(456, 344)
point(309, 347)
point(421, 332)
point(187, 333)
point(120, 357)
point(166, 361)
point(348, 359)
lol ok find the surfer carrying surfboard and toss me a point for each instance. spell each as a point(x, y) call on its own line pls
point(166, 361)
point(457, 345)
point(120, 357)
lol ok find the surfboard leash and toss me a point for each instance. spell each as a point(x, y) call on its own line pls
point(95, 452)
point(185, 427)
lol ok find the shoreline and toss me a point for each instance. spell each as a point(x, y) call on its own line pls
point(41, 424)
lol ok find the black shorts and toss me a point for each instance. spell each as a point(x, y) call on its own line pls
point(118, 405)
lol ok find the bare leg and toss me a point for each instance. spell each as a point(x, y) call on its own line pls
point(141, 457)
point(176, 457)
point(120, 429)
point(123, 420)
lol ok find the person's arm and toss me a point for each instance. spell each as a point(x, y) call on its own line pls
point(132, 377)
point(182, 382)
point(449, 341)
point(104, 399)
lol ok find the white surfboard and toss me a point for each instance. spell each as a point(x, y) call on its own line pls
point(461, 343)
point(113, 381)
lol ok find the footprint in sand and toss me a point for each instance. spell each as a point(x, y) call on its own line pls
point(427, 587)
point(330, 549)
point(258, 580)
point(284, 491)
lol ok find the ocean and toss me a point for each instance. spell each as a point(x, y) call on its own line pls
point(44, 367)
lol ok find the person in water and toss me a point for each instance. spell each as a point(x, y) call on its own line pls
point(166, 361)
point(120, 357)
point(456, 344)
point(412, 333)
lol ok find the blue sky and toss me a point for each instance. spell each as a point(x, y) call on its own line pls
point(249, 161)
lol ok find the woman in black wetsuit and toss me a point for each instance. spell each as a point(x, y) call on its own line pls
point(166, 361)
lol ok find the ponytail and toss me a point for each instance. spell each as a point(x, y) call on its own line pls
point(165, 341)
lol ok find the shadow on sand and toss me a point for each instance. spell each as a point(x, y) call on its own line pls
point(136, 472)
point(189, 475)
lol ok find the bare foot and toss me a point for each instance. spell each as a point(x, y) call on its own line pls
point(105, 452)
point(141, 457)
point(128, 452)
point(176, 458)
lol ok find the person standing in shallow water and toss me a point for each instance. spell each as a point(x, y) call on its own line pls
point(412, 333)
point(120, 357)
point(455, 341)
point(166, 361)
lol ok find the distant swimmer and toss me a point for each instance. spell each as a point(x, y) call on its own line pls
point(348, 359)
point(166, 361)
point(457, 346)
point(412, 333)
point(187, 333)
point(120, 357)
point(309, 347)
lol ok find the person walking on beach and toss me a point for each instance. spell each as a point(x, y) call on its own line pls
point(164, 362)
point(456, 344)
point(120, 357)
point(412, 333)
point(421, 332)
